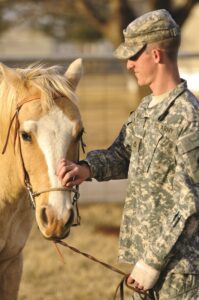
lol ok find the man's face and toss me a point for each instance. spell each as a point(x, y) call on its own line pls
point(143, 66)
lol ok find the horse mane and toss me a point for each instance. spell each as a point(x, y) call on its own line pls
point(49, 80)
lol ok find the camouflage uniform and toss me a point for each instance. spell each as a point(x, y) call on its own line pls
point(158, 151)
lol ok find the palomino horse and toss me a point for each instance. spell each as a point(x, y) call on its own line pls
point(39, 123)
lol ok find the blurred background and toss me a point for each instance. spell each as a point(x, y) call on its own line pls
point(56, 32)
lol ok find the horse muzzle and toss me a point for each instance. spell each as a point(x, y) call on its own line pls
point(52, 227)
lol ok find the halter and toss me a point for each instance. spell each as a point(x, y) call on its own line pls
point(34, 194)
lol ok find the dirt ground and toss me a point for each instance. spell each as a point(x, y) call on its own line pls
point(47, 277)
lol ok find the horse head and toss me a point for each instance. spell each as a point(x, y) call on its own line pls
point(39, 109)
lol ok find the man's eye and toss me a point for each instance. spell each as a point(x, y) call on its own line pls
point(138, 54)
point(26, 136)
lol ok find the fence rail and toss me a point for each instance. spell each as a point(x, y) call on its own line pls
point(91, 64)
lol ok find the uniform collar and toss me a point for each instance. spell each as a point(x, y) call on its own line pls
point(161, 110)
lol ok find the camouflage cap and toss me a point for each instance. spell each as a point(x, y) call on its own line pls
point(151, 27)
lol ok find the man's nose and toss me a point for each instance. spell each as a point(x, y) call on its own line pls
point(130, 64)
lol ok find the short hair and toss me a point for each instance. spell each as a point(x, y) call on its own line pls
point(170, 46)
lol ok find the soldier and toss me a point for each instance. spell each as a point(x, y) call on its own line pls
point(158, 151)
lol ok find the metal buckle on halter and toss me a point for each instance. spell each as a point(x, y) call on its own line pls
point(29, 188)
point(77, 218)
point(31, 194)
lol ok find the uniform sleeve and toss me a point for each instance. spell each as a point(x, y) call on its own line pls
point(111, 163)
point(185, 199)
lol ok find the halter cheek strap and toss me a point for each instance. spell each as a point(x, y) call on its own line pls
point(16, 119)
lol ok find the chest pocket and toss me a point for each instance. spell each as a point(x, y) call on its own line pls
point(144, 144)
point(188, 147)
point(160, 145)
point(150, 146)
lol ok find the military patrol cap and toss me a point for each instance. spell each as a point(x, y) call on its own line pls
point(151, 27)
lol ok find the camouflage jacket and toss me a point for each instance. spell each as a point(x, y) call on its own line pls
point(158, 151)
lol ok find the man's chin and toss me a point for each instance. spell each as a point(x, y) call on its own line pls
point(140, 83)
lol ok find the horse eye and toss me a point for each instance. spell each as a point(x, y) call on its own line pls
point(26, 136)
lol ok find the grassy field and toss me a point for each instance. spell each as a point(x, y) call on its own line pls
point(47, 277)
point(105, 104)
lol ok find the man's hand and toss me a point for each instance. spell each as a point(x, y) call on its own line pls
point(70, 173)
point(143, 276)
point(135, 284)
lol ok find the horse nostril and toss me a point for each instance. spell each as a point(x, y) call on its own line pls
point(70, 219)
point(44, 216)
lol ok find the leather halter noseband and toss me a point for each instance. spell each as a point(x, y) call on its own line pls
point(27, 182)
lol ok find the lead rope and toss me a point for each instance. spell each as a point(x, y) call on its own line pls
point(120, 286)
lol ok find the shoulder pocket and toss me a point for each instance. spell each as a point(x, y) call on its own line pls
point(188, 147)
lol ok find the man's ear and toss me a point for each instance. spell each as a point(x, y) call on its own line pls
point(157, 55)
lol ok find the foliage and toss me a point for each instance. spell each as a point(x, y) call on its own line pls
point(85, 19)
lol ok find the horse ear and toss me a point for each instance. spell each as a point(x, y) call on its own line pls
point(74, 72)
point(10, 75)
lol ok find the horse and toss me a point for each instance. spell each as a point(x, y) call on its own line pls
point(40, 123)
